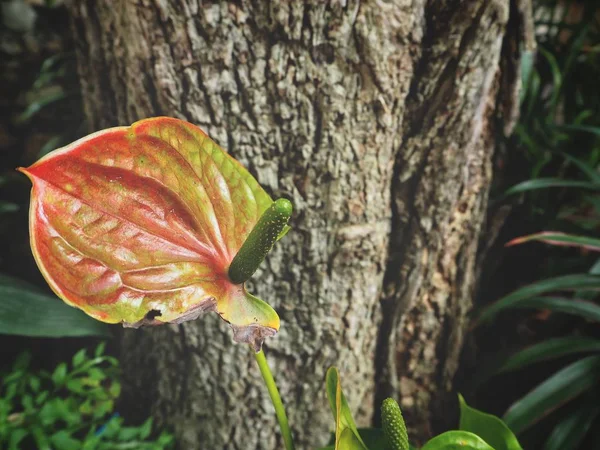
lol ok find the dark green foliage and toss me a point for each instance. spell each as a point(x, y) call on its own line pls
point(26, 311)
point(559, 134)
point(71, 408)
point(478, 431)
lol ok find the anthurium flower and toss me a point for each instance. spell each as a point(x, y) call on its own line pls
point(138, 225)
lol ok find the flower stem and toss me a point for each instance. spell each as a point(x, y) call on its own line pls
point(276, 399)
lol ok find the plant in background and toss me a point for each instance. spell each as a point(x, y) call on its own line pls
point(71, 408)
point(559, 131)
point(477, 430)
point(573, 294)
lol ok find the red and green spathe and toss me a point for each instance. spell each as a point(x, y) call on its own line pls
point(139, 225)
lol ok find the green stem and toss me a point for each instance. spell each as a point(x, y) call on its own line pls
point(276, 399)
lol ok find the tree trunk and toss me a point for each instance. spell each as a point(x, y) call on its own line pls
point(377, 120)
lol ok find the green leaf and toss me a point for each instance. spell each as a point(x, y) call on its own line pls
point(64, 441)
point(79, 358)
point(558, 238)
point(25, 311)
point(59, 375)
point(100, 349)
point(527, 62)
point(585, 128)
point(146, 429)
point(349, 441)
point(556, 76)
point(586, 168)
point(570, 432)
point(7, 207)
point(34, 383)
point(543, 183)
point(561, 387)
point(35, 107)
point(565, 282)
point(16, 436)
point(374, 438)
point(552, 348)
point(587, 310)
point(488, 427)
point(457, 440)
point(339, 407)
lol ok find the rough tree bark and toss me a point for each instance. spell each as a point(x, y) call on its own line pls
point(377, 119)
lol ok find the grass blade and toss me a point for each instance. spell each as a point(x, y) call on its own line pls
point(558, 238)
point(571, 431)
point(561, 387)
point(544, 183)
point(551, 349)
point(561, 283)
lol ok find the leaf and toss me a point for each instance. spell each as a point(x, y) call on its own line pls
point(565, 282)
point(570, 432)
point(79, 358)
point(349, 441)
point(40, 103)
point(552, 348)
point(556, 77)
point(64, 441)
point(7, 207)
point(585, 128)
point(558, 389)
point(339, 408)
point(584, 309)
point(59, 375)
point(488, 427)
point(544, 183)
point(558, 238)
point(100, 349)
point(374, 438)
point(138, 225)
point(457, 440)
point(586, 168)
point(25, 311)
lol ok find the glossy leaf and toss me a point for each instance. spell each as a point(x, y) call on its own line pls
point(138, 225)
point(550, 349)
point(374, 438)
point(543, 183)
point(565, 282)
point(584, 309)
point(340, 409)
point(569, 433)
point(488, 427)
point(25, 311)
point(558, 389)
point(457, 440)
point(586, 168)
point(558, 238)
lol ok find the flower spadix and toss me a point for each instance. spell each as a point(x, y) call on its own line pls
point(139, 225)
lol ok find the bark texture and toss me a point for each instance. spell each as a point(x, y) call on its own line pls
point(376, 118)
